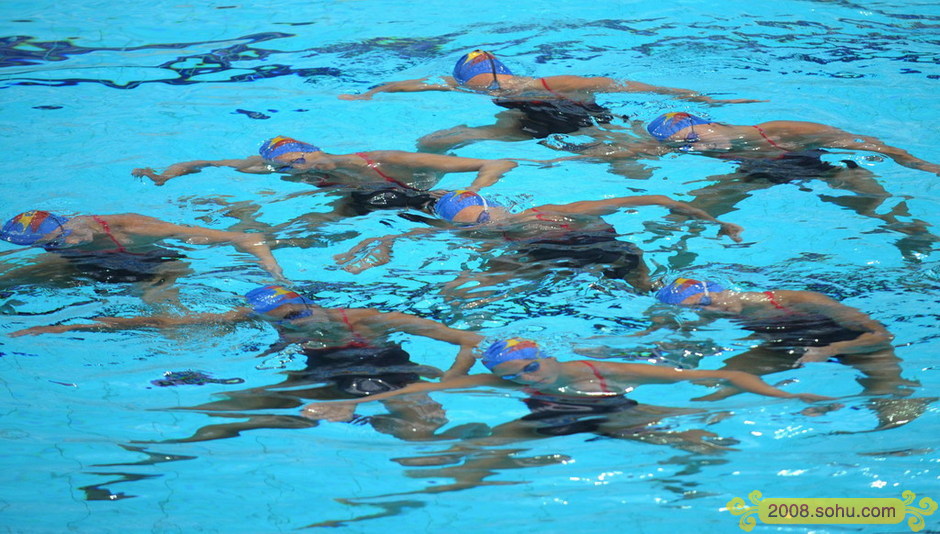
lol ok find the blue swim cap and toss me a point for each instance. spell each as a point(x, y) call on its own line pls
point(669, 123)
point(683, 288)
point(515, 348)
point(29, 227)
point(448, 206)
point(478, 62)
point(276, 146)
point(265, 299)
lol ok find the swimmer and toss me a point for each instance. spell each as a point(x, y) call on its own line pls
point(123, 247)
point(689, 133)
point(350, 353)
point(774, 140)
point(308, 163)
point(538, 106)
point(797, 327)
point(520, 363)
point(327, 335)
point(771, 153)
point(569, 235)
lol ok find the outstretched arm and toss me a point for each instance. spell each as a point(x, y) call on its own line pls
point(253, 244)
point(744, 381)
point(871, 144)
point(131, 323)
point(404, 86)
point(411, 324)
point(602, 84)
point(795, 134)
point(611, 205)
point(489, 171)
point(252, 164)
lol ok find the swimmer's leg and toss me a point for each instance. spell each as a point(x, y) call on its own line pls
point(633, 271)
point(161, 291)
point(231, 430)
point(728, 190)
point(469, 288)
point(506, 128)
point(882, 373)
point(411, 418)
point(869, 196)
point(644, 423)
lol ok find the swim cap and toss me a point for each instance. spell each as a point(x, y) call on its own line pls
point(265, 299)
point(515, 348)
point(29, 227)
point(669, 123)
point(478, 62)
point(683, 288)
point(276, 146)
point(448, 206)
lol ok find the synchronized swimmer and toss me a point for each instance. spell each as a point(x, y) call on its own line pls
point(355, 355)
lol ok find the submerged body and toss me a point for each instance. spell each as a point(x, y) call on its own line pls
point(573, 236)
point(121, 248)
point(538, 107)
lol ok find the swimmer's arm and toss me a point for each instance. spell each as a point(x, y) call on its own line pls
point(603, 84)
point(840, 139)
point(131, 323)
point(489, 171)
point(404, 86)
point(419, 326)
point(252, 165)
point(253, 243)
point(652, 374)
point(680, 94)
point(343, 410)
point(611, 205)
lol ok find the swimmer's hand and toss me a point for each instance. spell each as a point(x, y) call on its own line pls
point(366, 255)
point(37, 330)
point(147, 172)
point(731, 230)
point(337, 412)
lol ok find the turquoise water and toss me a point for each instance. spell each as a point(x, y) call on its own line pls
point(91, 92)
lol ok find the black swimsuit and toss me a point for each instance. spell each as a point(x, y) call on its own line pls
point(559, 115)
point(359, 371)
point(386, 197)
point(788, 167)
point(799, 330)
point(113, 267)
point(577, 250)
point(561, 415)
point(541, 118)
point(117, 265)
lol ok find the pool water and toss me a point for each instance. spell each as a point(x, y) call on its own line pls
point(91, 92)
